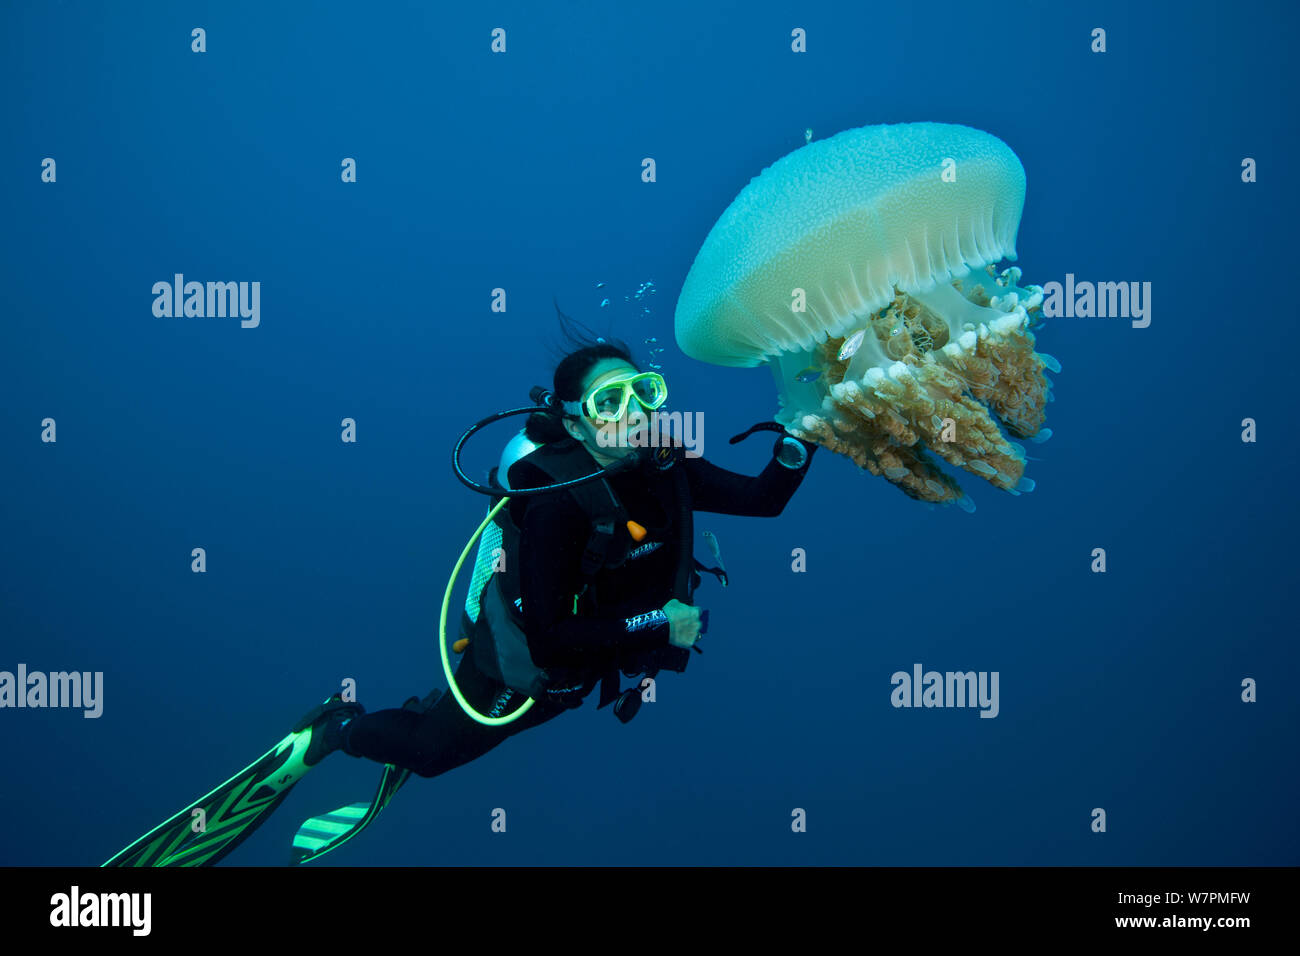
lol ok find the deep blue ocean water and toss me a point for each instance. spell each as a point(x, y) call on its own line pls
point(522, 171)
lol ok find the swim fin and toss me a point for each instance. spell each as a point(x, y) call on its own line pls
point(216, 823)
point(329, 831)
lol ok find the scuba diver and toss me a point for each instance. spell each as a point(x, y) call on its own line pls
point(588, 575)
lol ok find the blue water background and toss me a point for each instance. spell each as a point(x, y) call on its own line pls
point(327, 560)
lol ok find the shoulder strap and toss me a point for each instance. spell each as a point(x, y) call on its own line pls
point(687, 579)
point(605, 546)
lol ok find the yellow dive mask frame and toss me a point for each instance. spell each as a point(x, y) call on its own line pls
point(608, 401)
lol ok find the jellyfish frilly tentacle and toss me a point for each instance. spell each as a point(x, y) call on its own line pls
point(893, 232)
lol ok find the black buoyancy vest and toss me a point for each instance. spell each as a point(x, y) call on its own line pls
point(498, 639)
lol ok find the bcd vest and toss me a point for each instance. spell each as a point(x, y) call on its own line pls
point(493, 618)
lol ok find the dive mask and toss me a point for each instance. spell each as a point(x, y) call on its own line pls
point(608, 401)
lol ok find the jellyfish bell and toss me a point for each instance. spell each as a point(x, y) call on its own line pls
point(871, 256)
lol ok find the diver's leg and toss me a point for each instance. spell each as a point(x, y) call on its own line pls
point(443, 737)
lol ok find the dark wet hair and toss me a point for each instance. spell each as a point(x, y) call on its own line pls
point(580, 350)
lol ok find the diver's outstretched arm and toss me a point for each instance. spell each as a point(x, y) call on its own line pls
point(763, 496)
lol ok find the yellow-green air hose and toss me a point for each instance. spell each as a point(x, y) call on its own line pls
point(442, 634)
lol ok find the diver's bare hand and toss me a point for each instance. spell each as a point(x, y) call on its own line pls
point(683, 623)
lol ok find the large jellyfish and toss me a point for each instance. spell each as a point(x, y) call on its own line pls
point(862, 269)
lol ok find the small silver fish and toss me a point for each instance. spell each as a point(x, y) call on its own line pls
point(809, 374)
point(851, 345)
point(712, 539)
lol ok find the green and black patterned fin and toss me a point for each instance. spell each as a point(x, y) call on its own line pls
point(231, 811)
point(319, 835)
point(330, 831)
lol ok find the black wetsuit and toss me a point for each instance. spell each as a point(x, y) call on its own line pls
point(630, 598)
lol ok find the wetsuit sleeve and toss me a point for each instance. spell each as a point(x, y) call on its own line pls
point(726, 492)
point(551, 545)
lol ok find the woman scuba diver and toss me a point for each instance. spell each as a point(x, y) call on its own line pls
point(597, 579)
point(625, 617)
